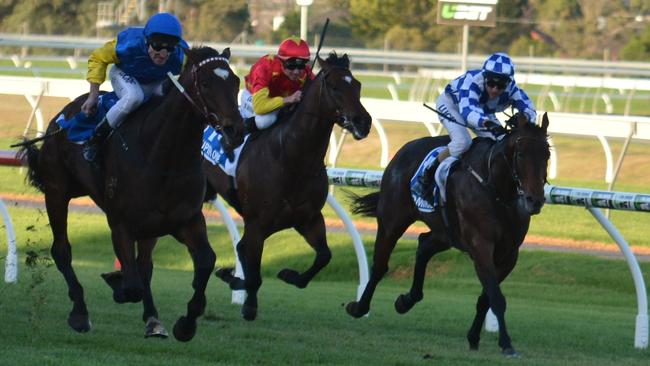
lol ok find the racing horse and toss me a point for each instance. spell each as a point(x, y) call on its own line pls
point(281, 180)
point(149, 183)
point(491, 195)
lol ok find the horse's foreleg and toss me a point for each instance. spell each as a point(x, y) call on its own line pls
point(490, 280)
point(153, 325)
point(474, 333)
point(57, 211)
point(249, 250)
point(195, 237)
point(428, 246)
point(314, 233)
point(127, 284)
point(387, 236)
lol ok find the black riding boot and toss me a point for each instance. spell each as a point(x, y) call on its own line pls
point(424, 184)
point(249, 125)
point(95, 142)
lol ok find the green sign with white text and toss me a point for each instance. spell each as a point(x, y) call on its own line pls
point(472, 12)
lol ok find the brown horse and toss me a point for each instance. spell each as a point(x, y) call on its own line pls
point(491, 195)
point(281, 181)
point(150, 184)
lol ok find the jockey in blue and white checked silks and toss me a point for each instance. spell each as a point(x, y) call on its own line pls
point(471, 101)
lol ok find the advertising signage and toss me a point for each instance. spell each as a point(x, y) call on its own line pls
point(467, 12)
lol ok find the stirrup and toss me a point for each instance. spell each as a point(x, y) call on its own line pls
point(90, 151)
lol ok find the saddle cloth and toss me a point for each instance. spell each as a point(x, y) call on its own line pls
point(214, 153)
point(80, 127)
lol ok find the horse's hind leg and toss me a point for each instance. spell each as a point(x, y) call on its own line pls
point(389, 230)
point(57, 211)
point(127, 284)
point(195, 237)
point(428, 246)
point(314, 233)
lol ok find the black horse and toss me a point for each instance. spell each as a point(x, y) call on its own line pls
point(150, 184)
point(491, 195)
point(281, 181)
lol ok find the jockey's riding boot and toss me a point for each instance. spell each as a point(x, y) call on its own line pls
point(424, 185)
point(94, 143)
point(249, 125)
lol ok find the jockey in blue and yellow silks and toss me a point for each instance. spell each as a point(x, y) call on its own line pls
point(141, 57)
point(275, 81)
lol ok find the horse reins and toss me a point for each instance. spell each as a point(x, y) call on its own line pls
point(203, 108)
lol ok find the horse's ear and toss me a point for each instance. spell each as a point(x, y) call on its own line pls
point(522, 119)
point(545, 122)
point(226, 53)
point(321, 62)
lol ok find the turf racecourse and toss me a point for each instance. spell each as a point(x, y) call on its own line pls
point(563, 309)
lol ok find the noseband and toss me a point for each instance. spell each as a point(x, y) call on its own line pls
point(201, 107)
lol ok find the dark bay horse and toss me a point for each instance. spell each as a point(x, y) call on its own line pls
point(150, 184)
point(281, 181)
point(491, 195)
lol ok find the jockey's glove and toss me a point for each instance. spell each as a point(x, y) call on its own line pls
point(495, 128)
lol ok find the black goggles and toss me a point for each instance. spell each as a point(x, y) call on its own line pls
point(497, 83)
point(159, 46)
point(295, 64)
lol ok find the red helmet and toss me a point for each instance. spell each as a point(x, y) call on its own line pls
point(293, 47)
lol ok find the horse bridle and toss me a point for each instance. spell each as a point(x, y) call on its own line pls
point(202, 108)
point(513, 168)
point(323, 86)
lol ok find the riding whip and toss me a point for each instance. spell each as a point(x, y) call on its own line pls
point(320, 41)
point(445, 115)
point(37, 139)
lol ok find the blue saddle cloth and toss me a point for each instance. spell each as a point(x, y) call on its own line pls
point(80, 127)
point(425, 204)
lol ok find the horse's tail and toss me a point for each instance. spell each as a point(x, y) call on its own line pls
point(364, 205)
point(32, 153)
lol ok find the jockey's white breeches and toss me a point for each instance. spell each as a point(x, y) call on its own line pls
point(461, 139)
point(131, 94)
point(262, 121)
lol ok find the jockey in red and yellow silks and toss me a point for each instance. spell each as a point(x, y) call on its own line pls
point(275, 81)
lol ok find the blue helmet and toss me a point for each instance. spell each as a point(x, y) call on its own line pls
point(499, 64)
point(164, 23)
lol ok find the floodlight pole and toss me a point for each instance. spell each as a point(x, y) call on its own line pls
point(304, 4)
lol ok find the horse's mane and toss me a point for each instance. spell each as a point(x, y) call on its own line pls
point(334, 60)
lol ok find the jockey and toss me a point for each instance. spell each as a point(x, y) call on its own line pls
point(273, 82)
point(141, 58)
point(471, 101)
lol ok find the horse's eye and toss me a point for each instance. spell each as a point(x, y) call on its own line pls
point(204, 84)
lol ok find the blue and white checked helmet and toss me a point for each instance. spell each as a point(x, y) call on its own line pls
point(499, 63)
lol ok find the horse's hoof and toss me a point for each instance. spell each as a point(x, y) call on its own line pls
point(184, 329)
point(134, 294)
point(510, 353)
point(225, 274)
point(403, 304)
point(473, 347)
point(113, 279)
point(352, 308)
point(291, 277)
point(79, 322)
point(154, 328)
point(248, 312)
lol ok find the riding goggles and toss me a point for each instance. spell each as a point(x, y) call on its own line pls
point(159, 46)
point(295, 63)
point(496, 80)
